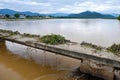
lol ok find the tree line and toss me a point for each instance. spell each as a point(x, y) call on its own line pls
point(15, 15)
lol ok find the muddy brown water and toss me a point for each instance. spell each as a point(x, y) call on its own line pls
point(19, 62)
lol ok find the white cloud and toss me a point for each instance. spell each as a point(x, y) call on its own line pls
point(25, 2)
point(62, 9)
point(65, 6)
point(90, 5)
point(36, 3)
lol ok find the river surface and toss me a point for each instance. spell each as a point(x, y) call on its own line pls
point(19, 62)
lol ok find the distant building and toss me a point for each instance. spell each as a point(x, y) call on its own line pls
point(2, 16)
point(47, 16)
point(12, 16)
point(22, 16)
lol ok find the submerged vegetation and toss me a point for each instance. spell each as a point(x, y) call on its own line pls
point(9, 32)
point(53, 39)
point(91, 45)
point(115, 48)
point(17, 32)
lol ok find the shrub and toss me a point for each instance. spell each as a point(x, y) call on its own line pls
point(115, 48)
point(119, 17)
point(53, 39)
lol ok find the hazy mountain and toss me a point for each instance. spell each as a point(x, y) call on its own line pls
point(86, 14)
point(114, 14)
point(89, 14)
point(8, 11)
point(59, 14)
point(12, 12)
point(30, 13)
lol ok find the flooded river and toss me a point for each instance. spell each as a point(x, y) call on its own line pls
point(32, 64)
point(18, 62)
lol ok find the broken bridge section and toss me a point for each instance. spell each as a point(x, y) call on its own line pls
point(73, 50)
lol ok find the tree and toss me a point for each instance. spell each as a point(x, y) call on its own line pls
point(7, 16)
point(16, 15)
point(119, 17)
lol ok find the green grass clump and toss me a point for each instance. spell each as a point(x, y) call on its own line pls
point(53, 39)
point(115, 48)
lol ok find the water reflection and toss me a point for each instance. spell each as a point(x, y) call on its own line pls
point(49, 65)
point(43, 57)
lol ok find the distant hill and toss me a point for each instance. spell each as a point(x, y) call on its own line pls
point(12, 12)
point(8, 11)
point(59, 14)
point(31, 13)
point(114, 14)
point(86, 14)
point(89, 14)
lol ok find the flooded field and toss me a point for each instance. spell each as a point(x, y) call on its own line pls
point(18, 62)
point(32, 64)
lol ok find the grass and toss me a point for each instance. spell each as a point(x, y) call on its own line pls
point(53, 39)
point(18, 33)
point(30, 35)
point(115, 48)
point(91, 46)
point(9, 32)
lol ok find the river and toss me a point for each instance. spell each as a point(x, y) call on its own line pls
point(19, 62)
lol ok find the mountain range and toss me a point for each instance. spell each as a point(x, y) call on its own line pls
point(12, 12)
point(89, 14)
point(86, 14)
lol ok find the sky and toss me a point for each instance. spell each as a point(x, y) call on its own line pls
point(62, 6)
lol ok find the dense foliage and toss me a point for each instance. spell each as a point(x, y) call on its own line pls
point(16, 15)
point(119, 17)
point(115, 48)
point(53, 39)
point(7, 16)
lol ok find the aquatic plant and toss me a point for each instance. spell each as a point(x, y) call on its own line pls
point(53, 39)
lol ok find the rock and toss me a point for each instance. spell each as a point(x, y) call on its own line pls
point(97, 69)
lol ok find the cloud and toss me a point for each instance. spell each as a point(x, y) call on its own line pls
point(65, 6)
point(24, 2)
point(77, 7)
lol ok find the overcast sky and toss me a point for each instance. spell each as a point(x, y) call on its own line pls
point(62, 6)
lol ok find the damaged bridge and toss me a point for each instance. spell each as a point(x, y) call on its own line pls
point(95, 61)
